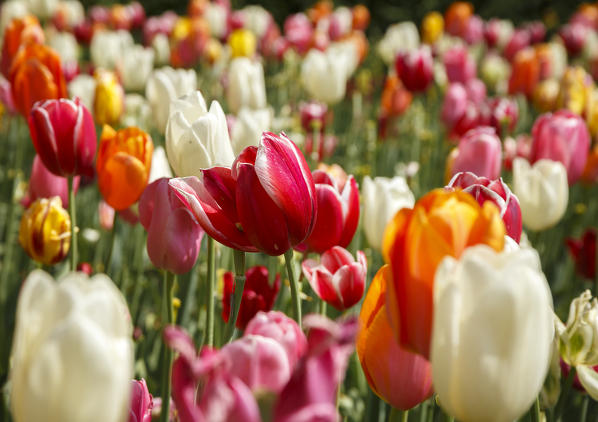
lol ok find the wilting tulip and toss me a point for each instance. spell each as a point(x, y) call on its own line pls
point(324, 74)
point(459, 65)
point(197, 138)
point(45, 231)
point(397, 375)
point(45, 184)
point(64, 136)
point(19, 32)
point(173, 234)
point(74, 337)
point(525, 73)
point(35, 75)
point(583, 252)
point(135, 67)
point(140, 408)
point(258, 294)
point(542, 190)
point(382, 199)
point(415, 69)
point(563, 137)
point(506, 297)
point(109, 99)
point(338, 279)
point(248, 128)
point(440, 224)
point(400, 37)
point(246, 86)
point(123, 165)
point(479, 152)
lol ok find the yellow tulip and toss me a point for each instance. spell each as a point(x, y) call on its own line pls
point(242, 43)
point(108, 105)
point(432, 27)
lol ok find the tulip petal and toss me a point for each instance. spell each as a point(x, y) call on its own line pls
point(589, 379)
point(328, 226)
point(350, 197)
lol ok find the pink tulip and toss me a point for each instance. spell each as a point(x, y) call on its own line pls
point(454, 105)
point(459, 65)
point(415, 69)
point(496, 191)
point(537, 31)
point(298, 31)
point(474, 31)
point(44, 184)
point(174, 236)
point(313, 115)
point(140, 409)
point(106, 215)
point(476, 91)
point(562, 136)
point(519, 40)
point(479, 152)
point(338, 279)
point(574, 37)
point(64, 136)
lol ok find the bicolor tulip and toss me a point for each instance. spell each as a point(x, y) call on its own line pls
point(140, 408)
point(64, 136)
point(338, 279)
point(583, 252)
point(479, 152)
point(123, 165)
point(398, 38)
point(397, 375)
point(440, 224)
point(313, 115)
point(415, 69)
point(109, 98)
point(45, 184)
point(298, 31)
point(246, 86)
point(20, 31)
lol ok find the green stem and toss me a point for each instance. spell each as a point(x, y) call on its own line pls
point(211, 286)
point(322, 307)
point(535, 410)
point(560, 404)
point(584, 408)
point(423, 411)
point(167, 317)
point(111, 244)
point(288, 260)
point(239, 259)
point(397, 415)
point(73, 213)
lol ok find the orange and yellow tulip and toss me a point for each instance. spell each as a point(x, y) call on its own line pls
point(123, 165)
point(415, 241)
point(19, 32)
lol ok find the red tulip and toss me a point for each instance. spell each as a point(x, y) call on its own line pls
point(415, 69)
point(459, 65)
point(583, 252)
point(536, 30)
point(479, 152)
point(64, 136)
point(140, 409)
point(258, 294)
point(338, 279)
point(313, 116)
point(497, 192)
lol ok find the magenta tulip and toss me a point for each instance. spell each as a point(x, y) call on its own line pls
point(415, 69)
point(479, 152)
point(474, 31)
point(298, 31)
point(454, 105)
point(459, 65)
point(140, 409)
point(574, 37)
point(44, 184)
point(64, 136)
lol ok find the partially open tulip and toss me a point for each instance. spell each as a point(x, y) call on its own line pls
point(479, 152)
point(64, 136)
point(140, 408)
point(542, 190)
point(74, 338)
point(440, 224)
point(562, 136)
point(415, 69)
point(45, 231)
point(325, 74)
point(109, 99)
point(258, 294)
point(338, 279)
point(123, 165)
point(246, 86)
point(45, 184)
point(397, 375)
point(492, 318)
point(20, 31)
point(583, 252)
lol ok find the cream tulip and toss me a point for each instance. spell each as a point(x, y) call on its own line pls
point(137, 112)
point(324, 74)
point(197, 138)
point(382, 199)
point(107, 47)
point(10, 10)
point(249, 126)
point(492, 335)
point(43, 9)
point(135, 67)
point(65, 44)
point(542, 190)
point(216, 14)
point(72, 356)
point(84, 87)
point(161, 47)
point(399, 37)
point(257, 19)
point(246, 86)
point(160, 166)
point(164, 86)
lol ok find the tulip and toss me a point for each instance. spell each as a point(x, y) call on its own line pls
point(338, 279)
point(382, 199)
point(107, 48)
point(520, 40)
point(174, 236)
point(313, 115)
point(415, 69)
point(432, 27)
point(64, 136)
point(506, 297)
point(397, 375)
point(84, 88)
point(416, 240)
point(242, 43)
point(135, 67)
point(109, 98)
point(457, 16)
point(217, 15)
point(525, 72)
point(44, 184)
point(325, 75)
point(19, 32)
point(495, 191)
point(246, 86)
point(575, 91)
point(195, 137)
point(394, 102)
point(43, 9)
point(258, 294)
point(454, 105)
point(11, 9)
point(160, 167)
point(399, 38)
point(298, 31)
point(164, 86)
point(123, 165)
point(574, 37)
point(73, 337)
point(583, 252)
point(65, 44)
point(140, 409)
point(479, 152)
point(248, 128)
point(494, 71)
point(542, 191)
point(504, 113)
point(45, 231)
point(35, 75)
point(459, 65)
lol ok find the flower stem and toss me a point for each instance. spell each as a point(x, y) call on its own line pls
point(535, 411)
point(111, 244)
point(167, 316)
point(560, 404)
point(397, 415)
point(288, 260)
point(73, 213)
point(239, 259)
point(584, 408)
point(211, 283)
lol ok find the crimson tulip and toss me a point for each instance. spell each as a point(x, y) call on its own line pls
point(64, 136)
point(479, 152)
point(583, 252)
point(415, 69)
point(574, 36)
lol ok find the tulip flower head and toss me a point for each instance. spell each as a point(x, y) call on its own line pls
point(246, 85)
point(415, 69)
point(140, 409)
point(479, 152)
point(44, 184)
point(583, 252)
point(109, 99)
point(20, 31)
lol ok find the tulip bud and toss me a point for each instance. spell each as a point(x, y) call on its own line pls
point(525, 72)
point(457, 16)
point(415, 69)
point(246, 86)
point(479, 152)
point(242, 43)
point(140, 409)
point(109, 100)
point(298, 31)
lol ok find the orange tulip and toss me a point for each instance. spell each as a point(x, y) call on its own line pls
point(123, 165)
point(395, 97)
point(361, 17)
point(590, 172)
point(36, 74)
point(19, 32)
point(320, 10)
point(398, 376)
point(415, 241)
point(457, 17)
point(525, 73)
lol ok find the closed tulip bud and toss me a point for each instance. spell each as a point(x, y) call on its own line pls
point(64, 136)
point(459, 65)
point(415, 69)
point(107, 47)
point(135, 67)
point(109, 100)
point(361, 17)
point(140, 408)
point(123, 165)
point(338, 279)
point(248, 128)
point(494, 71)
point(574, 37)
point(506, 297)
point(324, 74)
point(432, 27)
point(542, 190)
point(19, 32)
point(479, 152)
point(399, 38)
point(382, 199)
point(563, 137)
point(73, 337)
point(397, 375)
point(246, 86)
point(454, 105)
point(440, 224)
point(525, 73)
point(242, 43)
point(45, 231)
point(45, 184)
point(197, 138)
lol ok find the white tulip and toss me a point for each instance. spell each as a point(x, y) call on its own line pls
point(10, 10)
point(246, 86)
point(160, 167)
point(161, 47)
point(135, 67)
point(399, 37)
point(249, 126)
point(492, 337)
point(217, 16)
point(324, 74)
point(137, 112)
point(382, 199)
point(543, 192)
point(65, 45)
point(107, 47)
point(72, 356)
point(73, 12)
point(164, 86)
point(84, 87)
point(257, 19)
point(43, 9)
point(195, 137)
